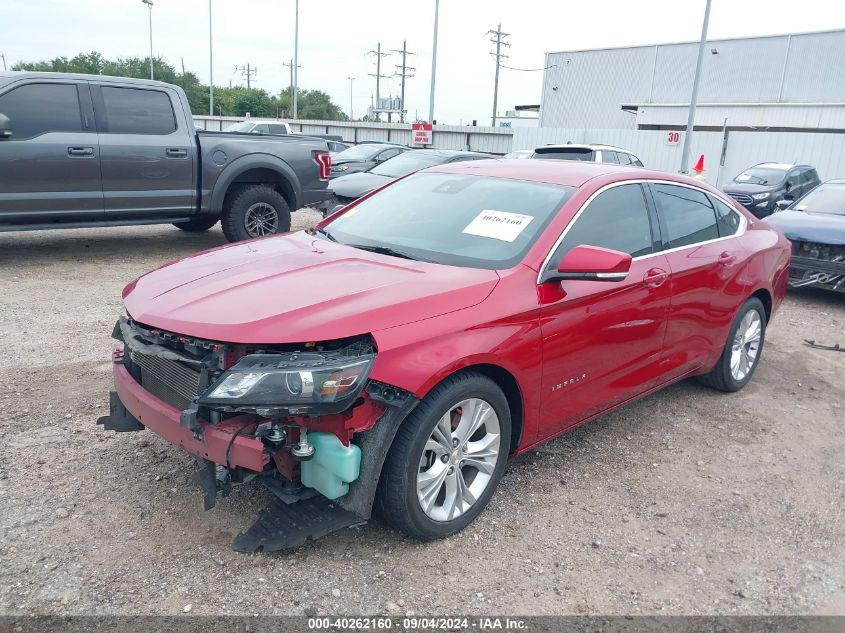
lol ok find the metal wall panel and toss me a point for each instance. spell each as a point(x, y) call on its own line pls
point(816, 69)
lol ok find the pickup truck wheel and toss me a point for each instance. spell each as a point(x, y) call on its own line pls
point(447, 458)
point(256, 211)
point(198, 224)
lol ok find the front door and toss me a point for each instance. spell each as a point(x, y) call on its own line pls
point(50, 166)
point(603, 340)
point(148, 156)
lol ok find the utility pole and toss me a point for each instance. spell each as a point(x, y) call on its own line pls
point(406, 73)
point(248, 72)
point(296, 62)
point(351, 115)
point(499, 40)
point(378, 74)
point(149, 4)
point(290, 65)
point(433, 63)
point(210, 66)
point(694, 98)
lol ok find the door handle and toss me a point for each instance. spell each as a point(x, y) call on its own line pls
point(727, 258)
point(175, 152)
point(655, 277)
point(80, 151)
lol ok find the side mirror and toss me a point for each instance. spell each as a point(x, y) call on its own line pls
point(592, 263)
point(783, 204)
point(5, 127)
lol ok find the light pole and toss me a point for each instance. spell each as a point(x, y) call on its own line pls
point(210, 66)
point(694, 98)
point(433, 63)
point(296, 62)
point(149, 3)
point(351, 79)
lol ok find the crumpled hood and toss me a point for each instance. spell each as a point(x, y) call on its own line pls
point(823, 228)
point(298, 288)
point(356, 185)
point(744, 187)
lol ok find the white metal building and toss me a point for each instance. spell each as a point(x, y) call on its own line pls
point(776, 83)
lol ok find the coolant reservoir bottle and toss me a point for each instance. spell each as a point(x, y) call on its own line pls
point(333, 466)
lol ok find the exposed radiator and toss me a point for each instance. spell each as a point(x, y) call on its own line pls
point(175, 383)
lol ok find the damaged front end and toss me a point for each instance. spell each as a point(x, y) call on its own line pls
point(817, 264)
point(304, 419)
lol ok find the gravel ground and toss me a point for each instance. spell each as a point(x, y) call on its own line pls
point(686, 502)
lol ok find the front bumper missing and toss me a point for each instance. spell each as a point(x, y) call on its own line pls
point(808, 271)
point(282, 525)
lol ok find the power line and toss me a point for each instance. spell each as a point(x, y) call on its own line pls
point(407, 72)
point(499, 40)
point(249, 72)
point(528, 70)
point(378, 76)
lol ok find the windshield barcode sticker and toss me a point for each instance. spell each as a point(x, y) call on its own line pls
point(498, 225)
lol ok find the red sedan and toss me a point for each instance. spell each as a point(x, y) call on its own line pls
point(394, 356)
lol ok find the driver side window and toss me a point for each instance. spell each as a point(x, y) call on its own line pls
point(617, 218)
point(388, 153)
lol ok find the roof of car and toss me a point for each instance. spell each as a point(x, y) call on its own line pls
point(778, 166)
point(16, 75)
point(445, 152)
point(584, 146)
point(567, 173)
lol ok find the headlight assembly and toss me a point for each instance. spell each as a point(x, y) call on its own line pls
point(340, 168)
point(301, 383)
point(761, 196)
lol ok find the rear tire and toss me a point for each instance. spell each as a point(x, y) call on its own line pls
point(742, 351)
point(255, 211)
point(198, 224)
point(442, 469)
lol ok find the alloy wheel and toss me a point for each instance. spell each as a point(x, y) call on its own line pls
point(261, 219)
point(746, 345)
point(458, 459)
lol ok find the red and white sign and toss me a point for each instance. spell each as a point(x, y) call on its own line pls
point(421, 133)
point(673, 138)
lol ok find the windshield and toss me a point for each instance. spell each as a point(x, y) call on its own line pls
point(360, 152)
point(406, 163)
point(760, 176)
point(458, 220)
point(828, 199)
point(244, 126)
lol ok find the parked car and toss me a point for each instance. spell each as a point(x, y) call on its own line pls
point(87, 150)
point(520, 154)
point(351, 187)
point(401, 350)
point(815, 224)
point(364, 156)
point(761, 187)
point(336, 147)
point(259, 126)
point(588, 153)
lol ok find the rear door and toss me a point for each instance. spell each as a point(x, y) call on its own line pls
point(50, 167)
point(603, 340)
point(704, 256)
point(147, 153)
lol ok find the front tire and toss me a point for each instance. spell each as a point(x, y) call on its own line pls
point(447, 458)
point(742, 351)
point(256, 211)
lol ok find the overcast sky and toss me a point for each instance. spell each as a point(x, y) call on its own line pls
point(335, 36)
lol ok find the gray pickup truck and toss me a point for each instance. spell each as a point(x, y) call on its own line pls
point(87, 150)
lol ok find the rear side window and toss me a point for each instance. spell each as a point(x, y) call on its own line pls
point(687, 214)
point(36, 109)
point(137, 111)
point(277, 129)
point(616, 219)
point(565, 153)
point(624, 159)
point(727, 218)
point(636, 161)
point(609, 157)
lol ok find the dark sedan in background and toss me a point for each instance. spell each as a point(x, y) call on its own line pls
point(761, 187)
point(349, 188)
point(363, 157)
point(815, 224)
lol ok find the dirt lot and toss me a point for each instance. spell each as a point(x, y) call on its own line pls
point(686, 502)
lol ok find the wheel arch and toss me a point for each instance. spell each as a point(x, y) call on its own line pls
point(250, 170)
point(765, 298)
